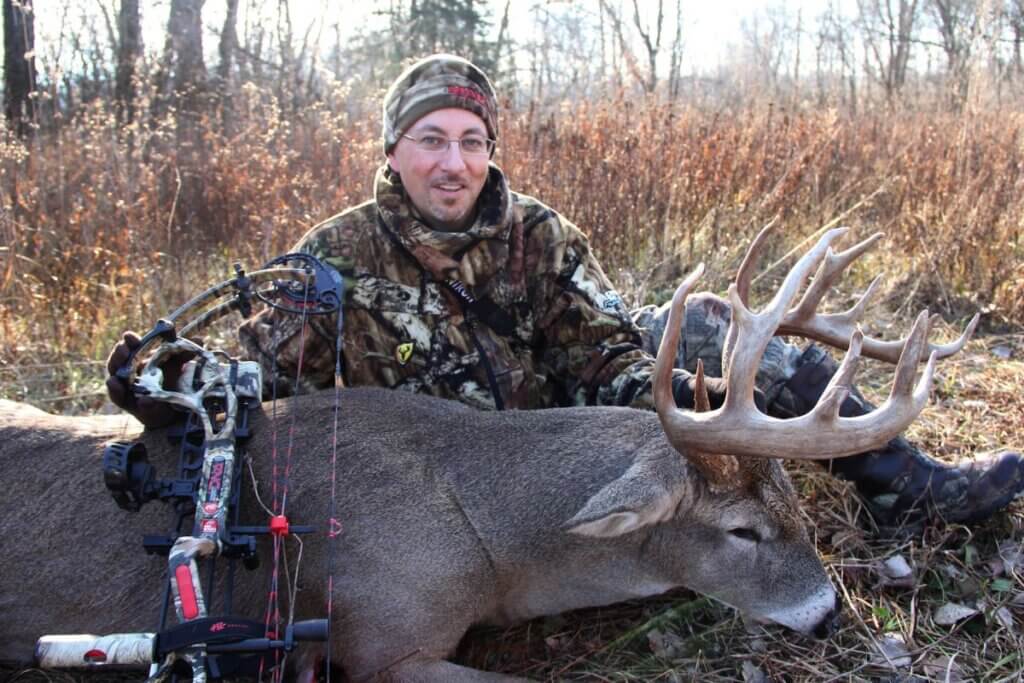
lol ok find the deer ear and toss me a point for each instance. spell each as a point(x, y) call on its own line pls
point(633, 501)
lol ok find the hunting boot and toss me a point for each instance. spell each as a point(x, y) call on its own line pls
point(900, 485)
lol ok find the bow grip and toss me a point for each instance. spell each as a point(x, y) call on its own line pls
point(163, 330)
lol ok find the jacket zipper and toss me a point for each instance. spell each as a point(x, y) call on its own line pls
point(499, 404)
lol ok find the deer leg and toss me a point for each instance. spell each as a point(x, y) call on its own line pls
point(901, 486)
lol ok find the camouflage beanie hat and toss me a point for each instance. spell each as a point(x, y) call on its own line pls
point(438, 82)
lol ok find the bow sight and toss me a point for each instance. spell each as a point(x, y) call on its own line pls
point(216, 394)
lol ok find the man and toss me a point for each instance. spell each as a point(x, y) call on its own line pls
point(460, 288)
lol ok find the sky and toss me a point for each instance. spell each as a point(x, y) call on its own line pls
point(711, 29)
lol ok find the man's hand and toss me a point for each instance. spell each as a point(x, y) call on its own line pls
point(149, 412)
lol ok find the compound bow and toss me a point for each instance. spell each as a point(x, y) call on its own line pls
point(217, 392)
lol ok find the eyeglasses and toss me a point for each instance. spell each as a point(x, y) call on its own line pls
point(471, 145)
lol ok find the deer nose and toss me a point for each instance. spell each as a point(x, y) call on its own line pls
point(831, 622)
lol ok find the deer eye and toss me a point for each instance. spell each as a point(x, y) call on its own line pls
point(746, 534)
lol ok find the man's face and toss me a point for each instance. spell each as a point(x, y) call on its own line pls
point(443, 186)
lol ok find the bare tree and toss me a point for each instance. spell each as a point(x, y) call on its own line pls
point(959, 25)
point(989, 67)
point(129, 52)
point(835, 71)
point(182, 68)
point(888, 29)
point(563, 54)
point(650, 80)
point(19, 64)
point(288, 66)
point(652, 43)
point(226, 49)
point(228, 44)
point(1015, 18)
point(767, 36)
point(250, 54)
point(502, 48)
point(675, 63)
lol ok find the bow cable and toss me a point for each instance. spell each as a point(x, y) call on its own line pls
point(280, 502)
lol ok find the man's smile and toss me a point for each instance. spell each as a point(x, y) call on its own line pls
point(449, 186)
point(448, 189)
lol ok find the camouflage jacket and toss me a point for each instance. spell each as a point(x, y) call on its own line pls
point(563, 335)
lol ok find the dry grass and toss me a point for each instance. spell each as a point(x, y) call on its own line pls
point(104, 229)
point(97, 238)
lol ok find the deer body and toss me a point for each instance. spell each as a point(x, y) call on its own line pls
point(450, 517)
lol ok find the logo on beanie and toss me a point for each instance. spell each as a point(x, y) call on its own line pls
point(403, 352)
point(468, 94)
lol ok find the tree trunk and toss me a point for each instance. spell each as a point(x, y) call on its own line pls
point(651, 43)
point(227, 48)
point(184, 57)
point(675, 64)
point(19, 65)
point(129, 51)
point(228, 42)
point(889, 31)
point(185, 29)
point(1016, 12)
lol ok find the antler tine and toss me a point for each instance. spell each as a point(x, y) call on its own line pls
point(741, 358)
point(857, 310)
point(830, 328)
point(749, 263)
point(841, 384)
point(836, 329)
point(665, 361)
point(917, 342)
point(701, 401)
point(830, 270)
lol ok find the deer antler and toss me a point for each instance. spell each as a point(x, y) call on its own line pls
point(835, 329)
point(738, 427)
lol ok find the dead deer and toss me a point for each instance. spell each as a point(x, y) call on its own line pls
point(453, 517)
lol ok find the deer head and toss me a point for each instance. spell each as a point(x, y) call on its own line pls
point(738, 523)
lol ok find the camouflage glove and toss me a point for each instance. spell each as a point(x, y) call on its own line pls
point(149, 412)
point(683, 391)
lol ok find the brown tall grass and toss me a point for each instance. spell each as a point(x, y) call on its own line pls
point(105, 229)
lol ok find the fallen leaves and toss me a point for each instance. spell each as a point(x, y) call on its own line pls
point(952, 612)
point(892, 652)
point(894, 572)
point(944, 668)
point(665, 644)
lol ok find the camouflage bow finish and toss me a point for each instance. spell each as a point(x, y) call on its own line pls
point(311, 289)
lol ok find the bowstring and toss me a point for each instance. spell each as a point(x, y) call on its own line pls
point(280, 503)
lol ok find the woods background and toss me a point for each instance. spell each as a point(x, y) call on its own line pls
point(148, 145)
